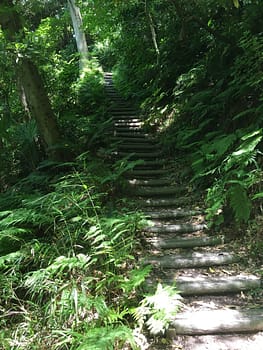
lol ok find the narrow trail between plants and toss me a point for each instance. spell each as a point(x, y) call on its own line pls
point(220, 311)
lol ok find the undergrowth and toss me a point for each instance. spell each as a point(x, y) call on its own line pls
point(68, 268)
point(214, 119)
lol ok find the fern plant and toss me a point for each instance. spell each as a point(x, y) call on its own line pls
point(238, 172)
point(157, 311)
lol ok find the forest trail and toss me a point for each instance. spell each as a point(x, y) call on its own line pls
point(220, 309)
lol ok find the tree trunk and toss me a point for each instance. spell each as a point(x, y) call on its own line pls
point(79, 33)
point(31, 84)
point(39, 106)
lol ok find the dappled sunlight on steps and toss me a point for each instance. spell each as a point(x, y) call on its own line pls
point(181, 250)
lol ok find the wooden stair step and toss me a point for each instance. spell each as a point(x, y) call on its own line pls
point(165, 202)
point(138, 146)
point(192, 259)
point(151, 182)
point(217, 285)
point(151, 163)
point(222, 321)
point(178, 228)
point(185, 242)
point(123, 128)
point(126, 121)
point(208, 285)
point(131, 134)
point(171, 213)
point(124, 111)
point(133, 140)
point(157, 191)
point(151, 172)
point(126, 117)
point(139, 155)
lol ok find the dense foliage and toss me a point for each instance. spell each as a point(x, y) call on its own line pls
point(68, 258)
point(199, 80)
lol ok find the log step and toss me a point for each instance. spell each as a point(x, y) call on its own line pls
point(192, 259)
point(138, 146)
point(171, 213)
point(217, 285)
point(151, 172)
point(179, 228)
point(122, 128)
point(151, 164)
point(222, 321)
point(133, 140)
point(207, 285)
point(157, 191)
point(165, 202)
point(139, 155)
point(185, 242)
point(126, 121)
point(151, 182)
point(130, 124)
point(124, 111)
point(124, 117)
point(130, 134)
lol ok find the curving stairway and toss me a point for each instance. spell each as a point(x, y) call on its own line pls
point(220, 312)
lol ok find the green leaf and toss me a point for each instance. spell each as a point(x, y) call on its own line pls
point(258, 195)
point(236, 3)
point(239, 202)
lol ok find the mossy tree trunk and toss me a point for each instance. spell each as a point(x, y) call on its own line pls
point(31, 83)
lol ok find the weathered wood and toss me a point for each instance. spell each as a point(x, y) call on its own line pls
point(186, 242)
point(146, 172)
point(218, 321)
point(179, 228)
point(149, 165)
point(130, 134)
point(124, 117)
point(139, 155)
point(217, 285)
point(132, 140)
point(130, 121)
point(127, 129)
point(156, 191)
point(138, 146)
point(171, 213)
point(122, 111)
point(165, 202)
point(129, 125)
point(151, 182)
point(194, 259)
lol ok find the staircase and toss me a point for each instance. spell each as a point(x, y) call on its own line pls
point(219, 311)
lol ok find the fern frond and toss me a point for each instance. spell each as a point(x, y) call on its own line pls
point(239, 202)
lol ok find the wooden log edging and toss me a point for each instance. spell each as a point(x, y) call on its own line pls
point(191, 260)
point(156, 191)
point(186, 242)
point(151, 182)
point(180, 228)
point(218, 321)
point(217, 285)
point(171, 213)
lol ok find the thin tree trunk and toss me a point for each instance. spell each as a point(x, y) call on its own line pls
point(79, 33)
point(153, 32)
